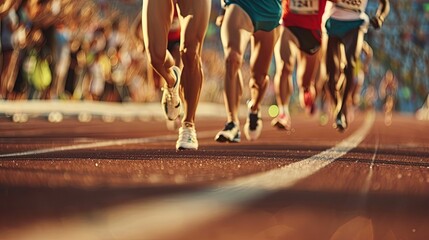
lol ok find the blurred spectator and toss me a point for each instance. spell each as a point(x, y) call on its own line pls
point(5, 5)
point(99, 66)
point(30, 13)
point(13, 39)
point(387, 93)
point(403, 46)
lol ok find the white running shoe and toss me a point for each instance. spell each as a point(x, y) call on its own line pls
point(187, 138)
point(253, 126)
point(231, 133)
point(170, 98)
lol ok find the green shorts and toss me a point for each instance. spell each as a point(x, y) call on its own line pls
point(340, 28)
point(265, 15)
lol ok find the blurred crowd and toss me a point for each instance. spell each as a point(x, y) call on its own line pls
point(402, 45)
point(71, 49)
point(92, 50)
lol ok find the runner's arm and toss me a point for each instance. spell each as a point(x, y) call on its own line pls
point(367, 50)
point(221, 14)
point(382, 12)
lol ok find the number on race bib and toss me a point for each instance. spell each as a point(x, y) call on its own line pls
point(350, 4)
point(304, 6)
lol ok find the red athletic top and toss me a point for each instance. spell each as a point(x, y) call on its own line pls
point(174, 34)
point(305, 14)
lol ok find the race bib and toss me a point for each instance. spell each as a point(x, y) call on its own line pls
point(304, 6)
point(355, 5)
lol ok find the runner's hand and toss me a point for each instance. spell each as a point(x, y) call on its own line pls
point(376, 22)
point(219, 20)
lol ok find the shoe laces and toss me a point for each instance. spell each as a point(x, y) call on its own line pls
point(169, 93)
point(188, 134)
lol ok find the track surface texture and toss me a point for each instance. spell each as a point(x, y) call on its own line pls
point(124, 180)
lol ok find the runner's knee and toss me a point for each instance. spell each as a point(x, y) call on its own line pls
point(287, 69)
point(189, 54)
point(259, 80)
point(233, 59)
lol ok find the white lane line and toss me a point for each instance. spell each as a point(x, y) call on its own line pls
point(163, 218)
point(366, 186)
point(290, 174)
point(109, 143)
point(90, 145)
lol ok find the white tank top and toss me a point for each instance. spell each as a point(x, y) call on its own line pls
point(350, 10)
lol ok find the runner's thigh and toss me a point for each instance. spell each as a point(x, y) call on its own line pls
point(236, 29)
point(288, 47)
point(262, 50)
point(194, 17)
point(156, 21)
